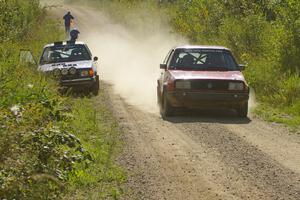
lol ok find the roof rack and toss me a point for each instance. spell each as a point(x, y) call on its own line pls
point(71, 42)
point(58, 43)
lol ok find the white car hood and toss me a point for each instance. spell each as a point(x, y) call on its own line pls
point(76, 64)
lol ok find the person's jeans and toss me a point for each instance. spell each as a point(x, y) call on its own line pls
point(68, 31)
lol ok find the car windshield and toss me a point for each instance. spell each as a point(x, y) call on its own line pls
point(203, 59)
point(65, 53)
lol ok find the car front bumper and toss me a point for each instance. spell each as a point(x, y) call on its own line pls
point(197, 99)
point(80, 82)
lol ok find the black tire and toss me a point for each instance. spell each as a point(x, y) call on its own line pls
point(95, 87)
point(166, 110)
point(158, 98)
point(242, 111)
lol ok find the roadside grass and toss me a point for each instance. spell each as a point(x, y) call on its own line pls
point(287, 115)
point(51, 146)
point(99, 133)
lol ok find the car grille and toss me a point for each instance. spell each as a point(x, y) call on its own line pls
point(69, 77)
point(75, 76)
point(209, 85)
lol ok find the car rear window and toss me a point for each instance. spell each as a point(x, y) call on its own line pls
point(65, 53)
point(203, 59)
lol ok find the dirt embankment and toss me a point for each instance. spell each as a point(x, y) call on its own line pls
point(203, 156)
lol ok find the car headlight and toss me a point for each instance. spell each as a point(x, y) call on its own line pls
point(235, 86)
point(56, 72)
point(84, 73)
point(64, 71)
point(72, 70)
point(183, 85)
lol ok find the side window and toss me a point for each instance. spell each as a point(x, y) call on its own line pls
point(231, 63)
point(46, 54)
point(88, 50)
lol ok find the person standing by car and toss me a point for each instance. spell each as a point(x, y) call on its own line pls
point(74, 34)
point(68, 19)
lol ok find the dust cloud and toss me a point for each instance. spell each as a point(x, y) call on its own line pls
point(129, 56)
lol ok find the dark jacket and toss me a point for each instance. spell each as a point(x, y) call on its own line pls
point(68, 17)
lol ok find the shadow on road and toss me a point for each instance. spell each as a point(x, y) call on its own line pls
point(208, 116)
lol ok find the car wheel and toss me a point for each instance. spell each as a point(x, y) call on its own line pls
point(166, 109)
point(243, 110)
point(95, 87)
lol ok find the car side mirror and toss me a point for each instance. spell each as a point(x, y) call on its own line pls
point(241, 67)
point(26, 57)
point(163, 66)
point(95, 58)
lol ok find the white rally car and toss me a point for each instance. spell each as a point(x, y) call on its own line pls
point(72, 64)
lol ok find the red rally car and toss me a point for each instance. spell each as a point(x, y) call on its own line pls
point(201, 77)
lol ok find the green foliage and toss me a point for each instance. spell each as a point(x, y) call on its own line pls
point(17, 17)
point(264, 34)
point(48, 143)
point(99, 133)
point(37, 152)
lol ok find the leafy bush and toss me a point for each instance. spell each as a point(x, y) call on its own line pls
point(38, 151)
point(48, 142)
point(264, 34)
point(17, 17)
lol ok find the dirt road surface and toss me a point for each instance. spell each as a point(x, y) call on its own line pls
point(207, 156)
point(201, 155)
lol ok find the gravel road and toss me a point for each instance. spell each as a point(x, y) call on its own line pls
point(200, 155)
point(206, 156)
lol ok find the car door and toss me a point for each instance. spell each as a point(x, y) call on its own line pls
point(26, 57)
point(164, 72)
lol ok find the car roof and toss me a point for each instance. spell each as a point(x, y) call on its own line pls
point(201, 47)
point(61, 43)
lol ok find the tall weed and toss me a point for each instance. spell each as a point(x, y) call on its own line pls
point(37, 153)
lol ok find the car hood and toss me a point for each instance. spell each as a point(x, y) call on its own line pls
point(76, 64)
point(209, 75)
